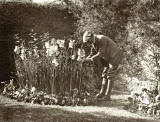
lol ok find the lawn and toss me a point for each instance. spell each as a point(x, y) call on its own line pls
point(12, 111)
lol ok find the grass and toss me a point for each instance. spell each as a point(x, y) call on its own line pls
point(105, 112)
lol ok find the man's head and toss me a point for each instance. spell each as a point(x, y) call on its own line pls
point(87, 37)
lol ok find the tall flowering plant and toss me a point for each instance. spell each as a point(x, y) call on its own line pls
point(54, 67)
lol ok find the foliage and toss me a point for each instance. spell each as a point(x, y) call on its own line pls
point(147, 102)
point(32, 95)
point(134, 26)
point(54, 66)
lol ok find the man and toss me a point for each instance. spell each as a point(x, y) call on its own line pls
point(102, 47)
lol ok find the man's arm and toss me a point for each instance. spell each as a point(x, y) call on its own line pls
point(92, 52)
point(100, 53)
point(96, 56)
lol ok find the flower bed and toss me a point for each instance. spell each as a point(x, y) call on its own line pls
point(31, 95)
point(147, 102)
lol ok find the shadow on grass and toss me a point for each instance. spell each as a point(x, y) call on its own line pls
point(119, 102)
point(21, 113)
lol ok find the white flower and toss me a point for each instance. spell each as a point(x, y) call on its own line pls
point(46, 96)
point(17, 93)
point(53, 41)
point(29, 52)
point(47, 45)
point(85, 101)
point(35, 39)
point(73, 57)
point(23, 91)
point(35, 52)
point(55, 62)
point(11, 82)
point(16, 49)
point(81, 54)
point(52, 47)
point(22, 54)
point(71, 43)
point(61, 43)
point(5, 90)
point(79, 58)
point(33, 90)
point(32, 102)
point(52, 50)
point(47, 52)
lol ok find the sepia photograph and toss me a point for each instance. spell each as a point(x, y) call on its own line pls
point(79, 60)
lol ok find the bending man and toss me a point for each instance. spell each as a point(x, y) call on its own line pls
point(102, 47)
